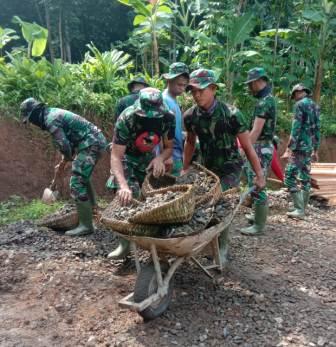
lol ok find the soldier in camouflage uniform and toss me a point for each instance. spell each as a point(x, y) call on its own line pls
point(303, 146)
point(134, 87)
point(217, 125)
point(80, 142)
point(261, 135)
point(139, 129)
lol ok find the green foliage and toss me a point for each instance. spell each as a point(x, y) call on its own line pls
point(16, 209)
point(35, 35)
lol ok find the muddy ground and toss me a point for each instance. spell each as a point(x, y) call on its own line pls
point(279, 290)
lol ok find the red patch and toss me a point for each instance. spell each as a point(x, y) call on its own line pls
point(146, 141)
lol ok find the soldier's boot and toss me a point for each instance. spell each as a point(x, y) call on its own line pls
point(261, 212)
point(299, 211)
point(92, 197)
point(305, 196)
point(223, 240)
point(250, 216)
point(294, 206)
point(121, 251)
point(85, 226)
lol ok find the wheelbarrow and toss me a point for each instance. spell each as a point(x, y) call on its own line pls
point(154, 284)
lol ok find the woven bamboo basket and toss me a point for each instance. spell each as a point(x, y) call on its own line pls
point(215, 191)
point(152, 183)
point(123, 226)
point(62, 220)
point(179, 210)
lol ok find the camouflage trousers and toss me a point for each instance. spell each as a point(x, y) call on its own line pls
point(133, 176)
point(265, 154)
point(298, 170)
point(82, 168)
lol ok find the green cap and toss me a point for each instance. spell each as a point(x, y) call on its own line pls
point(298, 88)
point(137, 79)
point(175, 70)
point(27, 107)
point(255, 74)
point(150, 104)
point(201, 79)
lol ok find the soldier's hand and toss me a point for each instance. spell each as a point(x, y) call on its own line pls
point(125, 196)
point(169, 165)
point(286, 155)
point(158, 167)
point(184, 171)
point(315, 157)
point(260, 182)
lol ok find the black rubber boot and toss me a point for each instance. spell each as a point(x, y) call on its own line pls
point(85, 227)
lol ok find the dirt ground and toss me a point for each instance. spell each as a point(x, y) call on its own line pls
point(279, 290)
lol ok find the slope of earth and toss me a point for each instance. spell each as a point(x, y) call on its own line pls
point(278, 290)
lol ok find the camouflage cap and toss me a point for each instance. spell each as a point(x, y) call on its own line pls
point(255, 74)
point(137, 79)
point(175, 70)
point(27, 107)
point(298, 88)
point(201, 79)
point(150, 103)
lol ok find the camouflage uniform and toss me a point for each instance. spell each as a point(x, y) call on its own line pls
point(74, 135)
point(140, 128)
point(265, 108)
point(125, 102)
point(217, 131)
point(304, 139)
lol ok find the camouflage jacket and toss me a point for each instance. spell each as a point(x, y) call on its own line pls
point(217, 134)
point(266, 108)
point(71, 132)
point(305, 133)
point(140, 135)
point(125, 102)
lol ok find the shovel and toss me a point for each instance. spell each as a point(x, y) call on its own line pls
point(50, 195)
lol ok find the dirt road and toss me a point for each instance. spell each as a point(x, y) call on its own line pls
point(279, 290)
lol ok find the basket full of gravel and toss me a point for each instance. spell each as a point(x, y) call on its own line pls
point(64, 219)
point(206, 184)
point(152, 183)
point(175, 204)
point(115, 217)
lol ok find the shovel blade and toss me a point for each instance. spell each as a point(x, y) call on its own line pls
point(49, 196)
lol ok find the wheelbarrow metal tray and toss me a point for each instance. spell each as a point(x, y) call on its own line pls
point(180, 246)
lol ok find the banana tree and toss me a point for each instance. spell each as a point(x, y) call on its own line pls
point(35, 35)
point(322, 18)
point(6, 36)
point(152, 18)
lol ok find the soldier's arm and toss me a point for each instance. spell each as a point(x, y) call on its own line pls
point(296, 128)
point(317, 132)
point(252, 156)
point(258, 126)
point(62, 143)
point(189, 149)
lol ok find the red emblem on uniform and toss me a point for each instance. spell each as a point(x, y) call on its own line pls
point(146, 141)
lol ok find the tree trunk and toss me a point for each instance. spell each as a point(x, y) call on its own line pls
point(318, 80)
point(67, 43)
point(47, 21)
point(60, 34)
point(155, 54)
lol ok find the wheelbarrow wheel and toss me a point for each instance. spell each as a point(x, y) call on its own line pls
point(146, 285)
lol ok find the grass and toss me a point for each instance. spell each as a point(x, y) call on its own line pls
point(16, 209)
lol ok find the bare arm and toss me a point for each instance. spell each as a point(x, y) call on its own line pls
point(257, 129)
point(117, 155)
point(251, 155)
point(157, 164)
point(189, 149)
